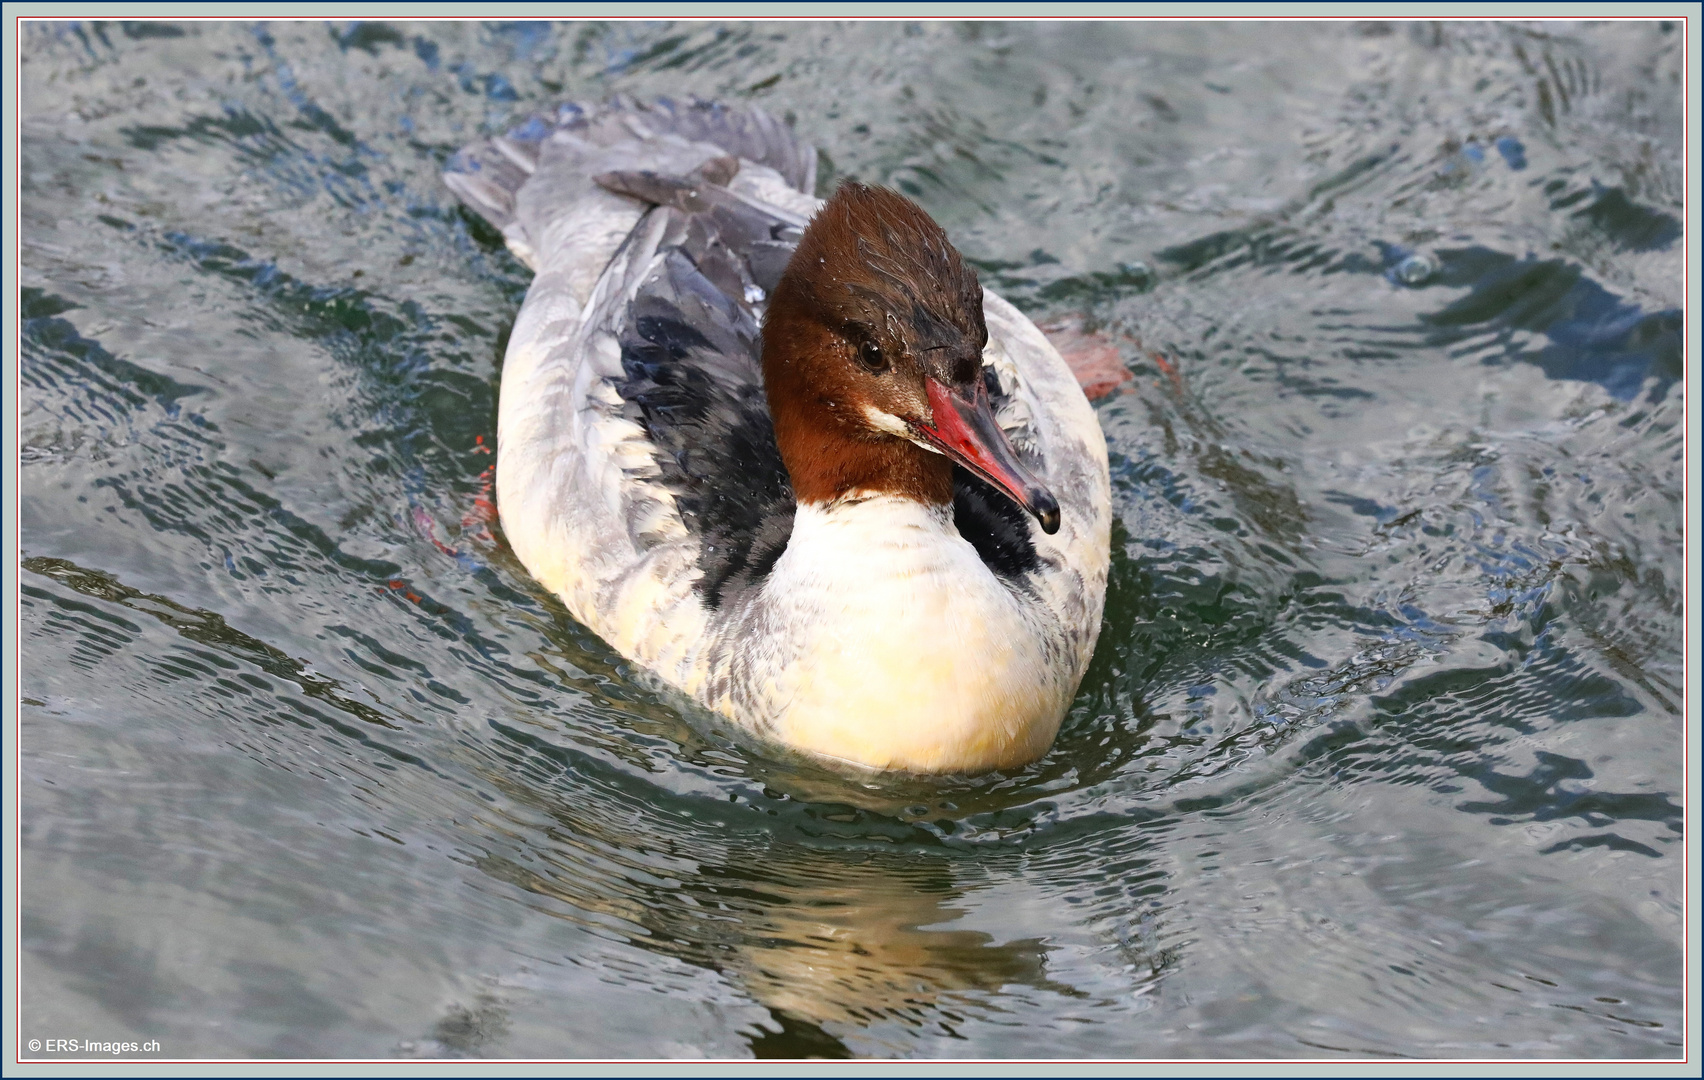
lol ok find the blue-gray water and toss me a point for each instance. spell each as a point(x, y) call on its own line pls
point(1380, 754)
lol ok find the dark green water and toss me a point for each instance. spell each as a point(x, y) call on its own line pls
point(1380, 754)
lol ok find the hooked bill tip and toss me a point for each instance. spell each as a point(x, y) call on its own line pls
point(1046, 510)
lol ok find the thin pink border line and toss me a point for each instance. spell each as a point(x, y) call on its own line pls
point(1686, 567)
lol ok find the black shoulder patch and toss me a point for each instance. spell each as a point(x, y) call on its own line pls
point(694, 380)
point(997, 527)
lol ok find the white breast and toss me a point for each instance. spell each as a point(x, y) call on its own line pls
point(881, 637)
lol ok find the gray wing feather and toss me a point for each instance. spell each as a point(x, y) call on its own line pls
point(581, 485)
point(535, 181)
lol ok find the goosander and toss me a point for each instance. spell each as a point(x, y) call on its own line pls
point(788, 455)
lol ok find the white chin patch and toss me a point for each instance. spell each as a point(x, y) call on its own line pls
point(893, 425)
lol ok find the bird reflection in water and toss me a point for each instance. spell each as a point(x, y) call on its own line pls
point(824, 939)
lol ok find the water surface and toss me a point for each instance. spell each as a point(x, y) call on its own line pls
point(1380, 753)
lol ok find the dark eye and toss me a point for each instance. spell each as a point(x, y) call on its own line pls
point(870, 355)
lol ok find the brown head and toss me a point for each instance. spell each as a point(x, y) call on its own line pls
point(872, 361)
